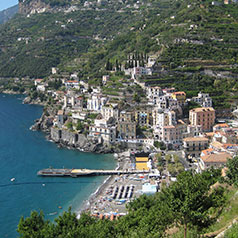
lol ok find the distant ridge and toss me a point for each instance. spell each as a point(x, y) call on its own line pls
point(7, 14)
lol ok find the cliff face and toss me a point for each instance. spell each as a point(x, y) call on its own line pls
point(32, 7)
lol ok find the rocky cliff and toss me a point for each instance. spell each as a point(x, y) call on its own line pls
point(31, 7)
point(66, 138)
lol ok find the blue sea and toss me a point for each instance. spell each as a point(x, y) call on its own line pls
point(22, 153)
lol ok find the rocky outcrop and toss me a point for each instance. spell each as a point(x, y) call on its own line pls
point(31, 7)
point(66, 138)
point(43, 124)
point(37, 101)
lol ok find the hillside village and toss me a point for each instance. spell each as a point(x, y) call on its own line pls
point(136, 116)
point(156, 105)
point(158, 130)
point(154, 84)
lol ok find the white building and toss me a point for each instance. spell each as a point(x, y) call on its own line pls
point(140, 71)
point(78, 116)
point(151, 61)
point(163, 118)
point(105, 78)
point(69, 101)
point(54, 70)
point(153, 93)
point(72, 84)
point(109, 111)
point(203, 99)
point(38, 81)
point(166, 102)
point(100, 130)
point(41, 88)
point(96, 102)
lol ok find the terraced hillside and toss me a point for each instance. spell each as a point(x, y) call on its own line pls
point(31, 45)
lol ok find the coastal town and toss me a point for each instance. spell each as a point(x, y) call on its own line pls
point(156, 130)
point(121, 118)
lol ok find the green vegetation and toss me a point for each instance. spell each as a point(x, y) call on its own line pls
point(53, 3)
point(160, 144)
point(232, 232)
point(232, 173)
point(7, 14)
point(174, 167)
point(42, 41)
point(187, 203)
point(196, 46)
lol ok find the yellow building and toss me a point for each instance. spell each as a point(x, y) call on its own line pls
point(180, 96)
point(142, 163)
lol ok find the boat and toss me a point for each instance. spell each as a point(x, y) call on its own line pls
point(53, 213)
point(13, 179)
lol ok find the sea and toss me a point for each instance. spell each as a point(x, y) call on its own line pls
point(22, 153)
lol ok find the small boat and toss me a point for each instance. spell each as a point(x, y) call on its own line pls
point(53, 213)
point(43, 185)
point(13, 179)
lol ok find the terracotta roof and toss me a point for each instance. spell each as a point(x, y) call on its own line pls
point(203, 109)
point(72, 81)
point(59, 92)
point(181, 122)
point(169, 127)
point(217, 144)
point(216, 157)
point(195, 139)
point(223, 125)
point(209, 134)
point(60, 112)
point(178, 93)
point(229, 145)
point(207, 151)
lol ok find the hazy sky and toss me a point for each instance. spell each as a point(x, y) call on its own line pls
point(4, 4)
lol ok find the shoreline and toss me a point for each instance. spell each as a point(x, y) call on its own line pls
point(87, 204)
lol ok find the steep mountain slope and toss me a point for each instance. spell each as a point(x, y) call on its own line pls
point(196, 46)
point(7, 14)
point(31, 45)
point(195, 42)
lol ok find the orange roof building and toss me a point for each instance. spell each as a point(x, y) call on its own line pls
point(214, 159)
point(204, 116)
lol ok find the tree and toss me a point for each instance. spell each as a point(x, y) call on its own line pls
point(69, 125)
point(34, 226)
point(79, 126)
point(232, 172)
point(168, 158)
point(67, 225)
point(136, 97)
point(190, 200)
point(160, 144)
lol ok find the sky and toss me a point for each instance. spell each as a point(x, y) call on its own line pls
point(4, 4)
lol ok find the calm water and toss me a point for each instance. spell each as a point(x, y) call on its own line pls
point(22, 154)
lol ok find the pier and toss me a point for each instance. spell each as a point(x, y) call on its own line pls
point(85, 172)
